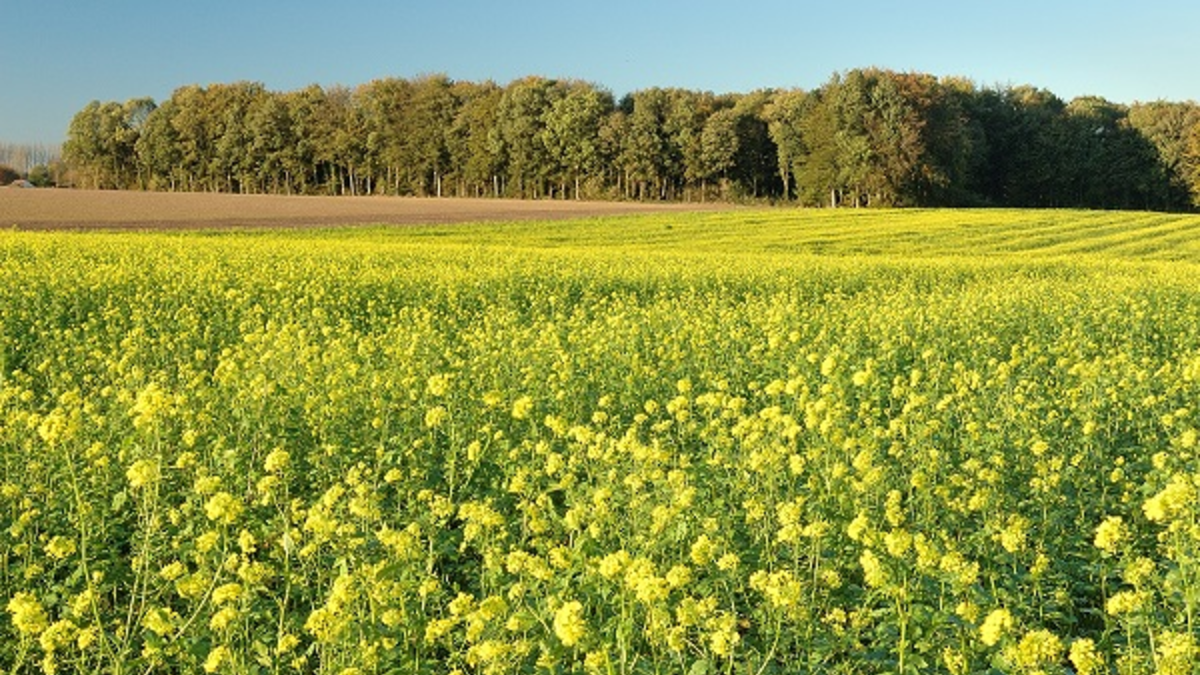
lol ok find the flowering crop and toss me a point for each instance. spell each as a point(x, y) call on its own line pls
point(742, 442)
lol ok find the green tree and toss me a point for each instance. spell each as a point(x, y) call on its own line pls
point(1108, 164)
point(43, 175)
point(159, 149)
point(128, 129)
point(683, 164)
point(425, 126)
point(232, 166)
point(518, 135)
point(755, 161)
point(954, 147)
point(651, 153)
point(869, 137)
point(84, 149)
point(300, 162)
point(784, 115)
point(383, 104)
point(817, 172)
point(718, 148)
point(101, 142)
point(1025, 161)
point(571, 128)
point(192, 122)
point(1191, 164)
point(610, 144)
point(272, 141)
point(472, 156)
point(885, 133)
point(336, 128)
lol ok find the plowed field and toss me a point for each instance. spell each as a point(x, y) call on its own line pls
point(85, 209)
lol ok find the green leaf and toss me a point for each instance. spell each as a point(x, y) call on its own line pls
point(118, 501)
point(262, 653)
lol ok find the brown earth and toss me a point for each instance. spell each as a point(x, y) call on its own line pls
point(47, 209)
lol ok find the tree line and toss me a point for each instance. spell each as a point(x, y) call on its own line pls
point(866, 137)
point(38, 162)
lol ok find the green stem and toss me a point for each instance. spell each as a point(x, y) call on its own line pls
point(902, 615)
point(84, 536)
point(774, 644)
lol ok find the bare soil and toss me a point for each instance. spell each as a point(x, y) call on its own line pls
point(47, 209)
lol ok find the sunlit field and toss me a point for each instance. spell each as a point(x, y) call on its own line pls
point(744, 442)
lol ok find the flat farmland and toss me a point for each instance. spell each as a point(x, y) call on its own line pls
point(757, 441)
point(100, 209)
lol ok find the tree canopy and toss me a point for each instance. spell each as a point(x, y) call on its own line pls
point(867, 137)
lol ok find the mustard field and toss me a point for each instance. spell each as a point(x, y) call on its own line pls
point(746, 442)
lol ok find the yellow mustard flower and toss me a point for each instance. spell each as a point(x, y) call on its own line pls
point(569, 624)
point(995, 626)
point(142, 473)
point(217, 657)
point(1038, 649)
point(1085, 657)
point(28, 616)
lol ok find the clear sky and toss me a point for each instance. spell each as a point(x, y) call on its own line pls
point(57, 55)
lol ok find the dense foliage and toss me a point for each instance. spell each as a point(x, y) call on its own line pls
point(8, 175)
point(866, 137)
point(643, 445)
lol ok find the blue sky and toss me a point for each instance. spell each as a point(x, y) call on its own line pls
point(57, 55)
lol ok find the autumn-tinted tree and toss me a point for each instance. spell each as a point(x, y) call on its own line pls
point(1170, 128)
